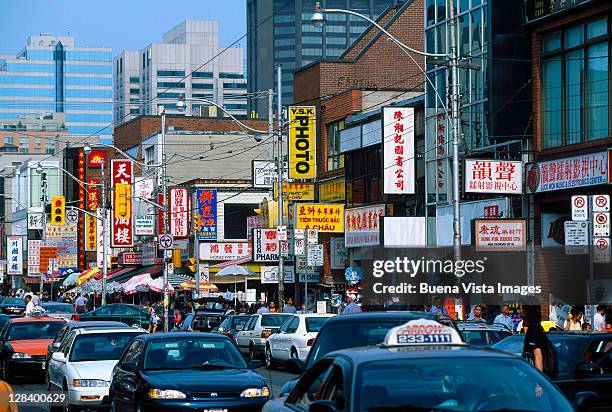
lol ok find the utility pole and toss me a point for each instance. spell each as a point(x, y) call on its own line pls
point(279, 167)
point(165, 190)
point(43, 180)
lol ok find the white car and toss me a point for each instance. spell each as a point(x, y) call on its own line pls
point(252, 337)
point(294, 338)
point(82, 367)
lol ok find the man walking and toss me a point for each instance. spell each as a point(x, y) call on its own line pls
point(263, 308)
point(352, 307)
point(600, 318)
point(438, 306)
point(289, 308)
point(504, 318)
point(476, 315)
point(79, 304)
point(29, 305)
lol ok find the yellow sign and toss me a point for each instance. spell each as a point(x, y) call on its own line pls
point(332, 190)
point(91, 239)
point(326, 217)
point(302, 142)
point(123, 200)
point(295, 191)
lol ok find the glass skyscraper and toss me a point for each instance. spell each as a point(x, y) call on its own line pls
point(50, 75)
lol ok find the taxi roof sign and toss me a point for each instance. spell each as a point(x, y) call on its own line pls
point(422, 332)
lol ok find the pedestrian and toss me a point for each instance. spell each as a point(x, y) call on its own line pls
point(574, 320)
point(272, 307)
point(351, 307)
point(586, 327)
point(476, 315)
point(153, 317)
point(289, 308)
point(504, 318)
point(537, 349)
point(60, 297)
point(79, 304)
point(67, 297)
point(29, 305)
point(177, 318)
point(35, 299)
point(438, 307)
point(600, 318)
point(263, 308)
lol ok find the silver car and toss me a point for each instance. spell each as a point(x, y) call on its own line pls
point(60, 310)
point(251, 339)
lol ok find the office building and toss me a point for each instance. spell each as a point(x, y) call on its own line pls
point(188, 62)
point(280, 32)
point(52, 74)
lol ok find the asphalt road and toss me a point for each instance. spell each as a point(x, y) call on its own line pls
point(275, 379)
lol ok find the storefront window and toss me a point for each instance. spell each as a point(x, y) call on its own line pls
point(335, 160)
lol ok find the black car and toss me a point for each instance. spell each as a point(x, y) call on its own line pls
point(349, 331)
point(584, 359)
point(482, 334)
point(119, 312)
point(13, 306)
point(185, 372)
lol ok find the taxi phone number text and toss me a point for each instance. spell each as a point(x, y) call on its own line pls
point(438, 338)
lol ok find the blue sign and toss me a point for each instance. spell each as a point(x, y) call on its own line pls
point(353, 275)
point(205, 216)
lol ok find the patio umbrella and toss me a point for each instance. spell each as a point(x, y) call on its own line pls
point(157, 285)
point(236, 270)
point(129, 287)
point(86, 275)
point(204, 286)
point(69, 281)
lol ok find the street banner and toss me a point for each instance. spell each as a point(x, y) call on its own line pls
point(296, 191)
point(325, 217)
point(33, 257)
point(494, 176)
point(205, 215)
point(100, 237)
point(224, 251)
point(144, 225)
point(302, 142)
point(82, 204)
point(362, 226)
point(253, 222)
point(398, 150)
point(332, 190)
point(179, 217)
point(500, 234)
point(122, 231)
point(161, 215)
point(46, 254)
point(14, 255)
point(265, 173)
point(91, 235)
point(567, 173)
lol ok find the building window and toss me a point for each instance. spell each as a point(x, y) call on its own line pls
point(575, 90)
point(206, 75)
point(150, 155)
point(134, 79)
point(8, 140)
point(234, 85)
point(174, 85)
point(134, 91)
point(231, 75)
point(201, 86)
point(24, 144)
point(171, 73)
point(335, 160)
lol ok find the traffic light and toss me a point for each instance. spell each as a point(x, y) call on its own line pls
point(123, 193)
point(192, 265)
point(58, 210)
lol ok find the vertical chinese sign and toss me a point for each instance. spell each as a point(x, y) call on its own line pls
point(179, 217)
point(93, 197)
point(440, 145)
point(398, 155)
point(205, 216)
point(81, 202)
point(122, 179)
point(14, 255)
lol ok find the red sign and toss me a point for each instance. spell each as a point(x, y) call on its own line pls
point(96, 157)
point(93, 194)
point(130, 258)
point(122, 231)
point(440, 150)
point(179, 201)
point(160, 214)
point(81, 224)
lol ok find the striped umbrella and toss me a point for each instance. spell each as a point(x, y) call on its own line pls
point(86, 275)
point(204, 286)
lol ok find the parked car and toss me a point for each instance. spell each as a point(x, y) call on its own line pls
point(294, 338)
point(186, 372)
point(584, 360)
point(133, 315)
point(23, 345)
point(253, 336)
point(13, 306)
point(482, 334)
point(200, 321)
point(82, 368)
point(60, 310)
point(231, 325)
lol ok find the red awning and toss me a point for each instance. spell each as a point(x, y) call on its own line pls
point(245, 259)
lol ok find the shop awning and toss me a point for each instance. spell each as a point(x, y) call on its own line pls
point(240, 261)
point(152, 270)
point(112, 273)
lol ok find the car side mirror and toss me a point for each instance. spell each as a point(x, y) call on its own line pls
point(295, 366)
point(585, 400)
point(322, 406)
point(588, 369)
point(55, 345)
point(59, 356)
point(255, 363)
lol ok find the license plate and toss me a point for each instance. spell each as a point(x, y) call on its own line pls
point(215, 410)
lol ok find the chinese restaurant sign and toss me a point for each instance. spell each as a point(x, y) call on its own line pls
point(570, 172)
point(332, 190)
point(302, 142)
point(82, 204)
point(14, 255)
point(398, 154)
point(224, 250)
point(91, 241)
point(500, 234)
point(122, 234)
point(179, 225)
point(325, 217)
point(494, 176)
point(205, 216)
point(93, 194)
point(295, 191)
point(362, 227)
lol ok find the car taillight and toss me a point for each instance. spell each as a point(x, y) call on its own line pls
point(310, 342)
point(265, 333)
point(75, 317)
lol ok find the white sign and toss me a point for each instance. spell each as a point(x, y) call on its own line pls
point(580, 209)
point(33, 257)
point(179, 217)
point(265, 173)
point(338, 254)
point(309, 277)
point(300, 247)
point(493, 176)
point(224, 250)
point(315, 255)
point(362, 226)
point(35, 221)
point(576, 233)
point(299, 233)
point(404, 231)
point(282, 233)
point(166, 242)
point(398, 154)
point(567, 173)
point(14, 253)
point(100, 231)
point(500, 235)
point(601, 250)
point(144, 188)
point(302, 265)
point(144, 225)
point(601, 224)
point(72, 216)
point(265, 245)
point(601, 203)
point(313, 236)
point(269, 274)
point(479, 209)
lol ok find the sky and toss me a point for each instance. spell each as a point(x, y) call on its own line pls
point(120, 24)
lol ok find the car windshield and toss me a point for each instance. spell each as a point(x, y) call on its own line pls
point(34, 330)
point(273, 320)
point(206, 323)
point(238, 320)
point(13, 301)
point(457, 384)
point(313, 324)
point(58, 308)
point(193, 353)
point(100, 346)
point(483, 337)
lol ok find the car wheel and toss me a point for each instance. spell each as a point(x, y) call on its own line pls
point(269, 358)
point(294, 353)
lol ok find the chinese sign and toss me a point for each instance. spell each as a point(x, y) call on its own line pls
point(440, 145)
point(494, 176)
point(82, 202)
point(265, 245)
point(253, 222)
point(96, 158)
point(101, 238)
point(61, 233)
point(91, 241)
point(576, 171)
point(362, 226)
point(14, 255)
point(46, 254)
point(205, 216)
point(539, 9)
point(325, 217)
point(179, 225)
point(302, 142)
point(332, 190)
point(93, 194)
point(35, 221)
point(33, 257)
point(265, 173)
point(500, 234)
point(295, 191)
point(122, 234)
point(224, 250)
point(144, 225)
point(130, 258)
point(398, 154)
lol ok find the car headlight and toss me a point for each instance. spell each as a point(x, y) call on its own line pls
point(20, 355)
point(89, 383)
point(166, 394)
point(221, 329)
point(255, 393)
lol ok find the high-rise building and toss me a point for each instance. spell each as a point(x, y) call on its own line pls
point(189, 62)
point(52, 74)
point(280, 32)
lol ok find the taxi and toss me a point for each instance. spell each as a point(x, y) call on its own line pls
point(422, 366)
point(23, 345)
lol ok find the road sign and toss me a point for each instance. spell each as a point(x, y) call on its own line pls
point(170, 268)
point(300, 247)
point(166, 242)
point(284, 248)
point(309, 277)
point(315, 255)
point(301, 265)
point(576, 233)
point(601, 203)
point(299, 233)
point(580, 208)
point(313, 236)
point(601, 224)
point(281, 233)
point(601, 251)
